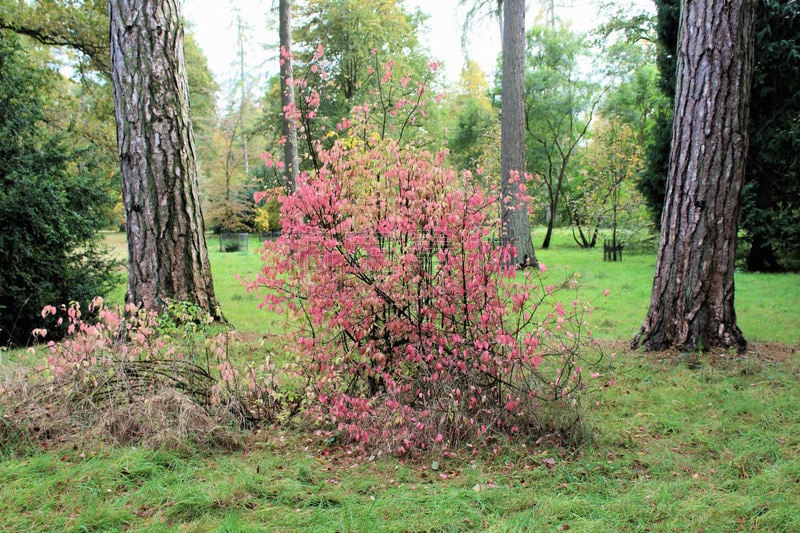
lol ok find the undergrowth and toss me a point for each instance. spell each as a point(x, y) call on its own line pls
point(133, 377)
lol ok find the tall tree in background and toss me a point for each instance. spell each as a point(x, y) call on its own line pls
point(244, 98)
point(691, 305)
point(515, 223)
point(559, 109)
point(290, 155)
point(167, 255)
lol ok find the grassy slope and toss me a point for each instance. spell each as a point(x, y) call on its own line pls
point(706, 442)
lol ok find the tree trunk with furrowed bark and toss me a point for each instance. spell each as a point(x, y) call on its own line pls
point(515, 224)
point(167, 255)
point(290, 157)
point(691, 306)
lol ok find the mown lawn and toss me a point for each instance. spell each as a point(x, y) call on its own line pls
point(679, 442)
point(765, 303)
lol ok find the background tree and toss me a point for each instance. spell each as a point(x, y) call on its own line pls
point(242, 84)
point(602, 194)
point(51, 202)
point(626, 49)
point(691, 306)
point(559, 107)
point(290, 155)
point(167, 255)
point(473, 130)
point(607, 196)
point(349, 53)
point(478, 10)
point(224, 177)
point(345, 37)
point(771, 199)
point(515, 225)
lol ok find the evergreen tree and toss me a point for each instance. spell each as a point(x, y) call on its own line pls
point(49, 205)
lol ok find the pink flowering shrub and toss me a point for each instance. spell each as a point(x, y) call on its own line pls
point(124, 356)
point(386, 104)
point(413, 327)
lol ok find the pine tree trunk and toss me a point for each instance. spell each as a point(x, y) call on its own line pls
point(691, 306)
point(516, 226)
point(290, 157)
point(167, 255)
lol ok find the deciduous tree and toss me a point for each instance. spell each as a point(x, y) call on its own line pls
point(559, 107)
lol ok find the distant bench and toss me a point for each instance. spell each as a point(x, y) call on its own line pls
point(612, 251)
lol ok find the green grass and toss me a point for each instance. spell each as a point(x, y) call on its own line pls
point(682, 442)
point(228, 269)
point(765, 303)
point(674, 449)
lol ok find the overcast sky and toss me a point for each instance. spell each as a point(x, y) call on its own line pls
point(213, 23)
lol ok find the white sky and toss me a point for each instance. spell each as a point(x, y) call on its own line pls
point(213, 24)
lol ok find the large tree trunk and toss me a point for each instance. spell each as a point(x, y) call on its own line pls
point(290, 157)
point(516, 226)
point(691, 306)
point(167, 255)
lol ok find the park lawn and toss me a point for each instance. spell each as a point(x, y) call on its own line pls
point(765, 303)
point(678, 442)
point(709, 443)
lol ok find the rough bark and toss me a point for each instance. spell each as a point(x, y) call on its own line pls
point(167, 255)
point(691, 306)
point(516, 226)
point(290, 157)
point(243, 98)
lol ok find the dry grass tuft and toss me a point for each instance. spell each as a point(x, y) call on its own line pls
point(168, 419)
point(164, 418)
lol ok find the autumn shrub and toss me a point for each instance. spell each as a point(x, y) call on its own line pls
point(137, 377)
point(413, 328)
